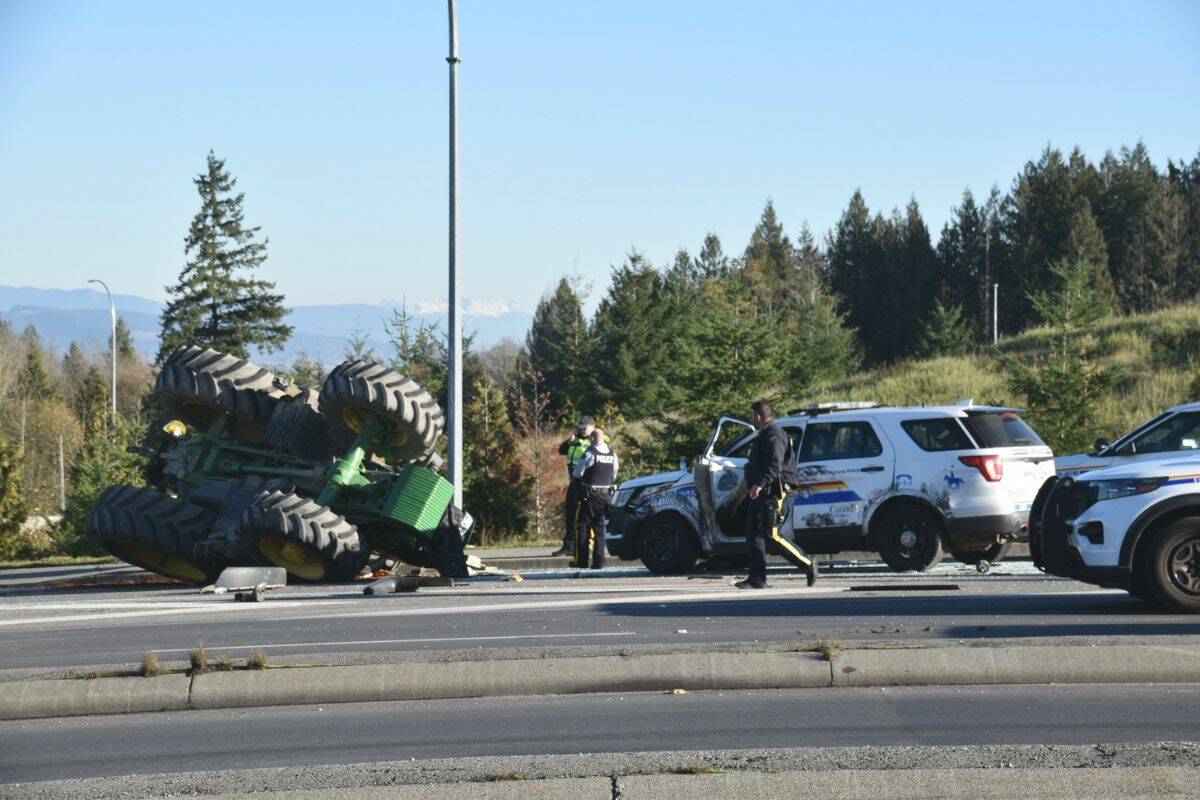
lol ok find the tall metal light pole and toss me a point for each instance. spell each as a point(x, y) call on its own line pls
point(995, 313)
point(454, 443)
point(112, 310)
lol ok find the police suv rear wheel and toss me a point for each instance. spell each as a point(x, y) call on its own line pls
point(1171, 567)
point(909, 538)
point(667, 545)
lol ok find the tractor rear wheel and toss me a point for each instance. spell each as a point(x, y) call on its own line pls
point(357, 390)
point(308, 540)
point(200, 385)
point(154, 531)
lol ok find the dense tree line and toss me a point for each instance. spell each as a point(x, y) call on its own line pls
point(680, 344)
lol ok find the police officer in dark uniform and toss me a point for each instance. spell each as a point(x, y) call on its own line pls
point(764, 477)
point(573, 447)
point(597, 475)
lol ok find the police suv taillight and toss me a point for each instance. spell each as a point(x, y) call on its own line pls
point(990, 467)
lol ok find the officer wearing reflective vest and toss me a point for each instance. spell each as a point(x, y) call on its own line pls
point(573, 447)
point(597, 475)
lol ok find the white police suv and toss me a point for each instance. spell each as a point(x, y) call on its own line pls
point(908, 483)
point(1134, 526)
point(1175, 431)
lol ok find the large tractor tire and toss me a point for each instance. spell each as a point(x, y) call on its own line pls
point(308, 540)
point(154, 531)
point(297, 427)
point(357, 390)
point(200, 385)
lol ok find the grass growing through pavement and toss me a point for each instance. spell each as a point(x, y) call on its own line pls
point(257, 660)
point(511, 775)
point(150, 666)
point(198, 659)
point(829, 648)
point(695, 769)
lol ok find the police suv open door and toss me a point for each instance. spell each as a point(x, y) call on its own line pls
point(718, 477)
point(844, 463)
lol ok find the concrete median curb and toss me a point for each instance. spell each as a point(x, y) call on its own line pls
point(601, 673)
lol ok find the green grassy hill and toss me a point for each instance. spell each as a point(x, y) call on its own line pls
point(1158, 355)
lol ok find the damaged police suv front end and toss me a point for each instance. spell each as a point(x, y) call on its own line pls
point(624, 509)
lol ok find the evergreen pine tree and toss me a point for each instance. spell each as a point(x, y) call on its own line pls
point(74, 366)
point(12, 500)
point(217, 302)
point(945, 332)
point(1064, 386)
point(102, 461)
point(770, 261)
point(358, 345)
point(855, 257)
point(557, 345)
point(494, 487)
point(632, 341)
point(725, 355)
point(712, 261)
point(1142, 220)
point(1185, 180)
point(811, 266)
point(125, 348)
point(815, 342)
point(1049, 216)
point(34, 382)
point(965, 251)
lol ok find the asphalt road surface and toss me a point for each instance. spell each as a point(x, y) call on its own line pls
point(67, 630)
point(356, 733)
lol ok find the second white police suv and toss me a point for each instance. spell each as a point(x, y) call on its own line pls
point(908, 483)
point(1128, 515)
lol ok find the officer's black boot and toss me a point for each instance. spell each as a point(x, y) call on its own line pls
point(811, 571)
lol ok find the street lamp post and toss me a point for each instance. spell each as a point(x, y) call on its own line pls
point(112, 310)
point(454, 443)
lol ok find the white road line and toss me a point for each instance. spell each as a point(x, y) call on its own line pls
point(403, 641)
point(84, 606)
point(430, 611)
point(159, 612)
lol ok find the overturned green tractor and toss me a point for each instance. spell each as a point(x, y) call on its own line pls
point(252, 471)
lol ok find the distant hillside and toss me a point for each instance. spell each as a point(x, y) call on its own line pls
point(1158, 354)
point(321, 331)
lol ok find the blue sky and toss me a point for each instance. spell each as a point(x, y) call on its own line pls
point(587, 127)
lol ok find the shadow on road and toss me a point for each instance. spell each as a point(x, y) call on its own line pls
point(1111, 615)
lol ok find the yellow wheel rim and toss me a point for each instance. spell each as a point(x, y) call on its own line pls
point(296, 559)
point(356, 419)
point(160, 561)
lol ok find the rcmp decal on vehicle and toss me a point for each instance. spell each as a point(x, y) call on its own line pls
point(822, 492)
point(1182, 479)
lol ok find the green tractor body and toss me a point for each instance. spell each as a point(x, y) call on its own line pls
point(255, 473)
